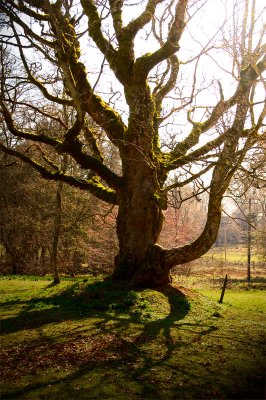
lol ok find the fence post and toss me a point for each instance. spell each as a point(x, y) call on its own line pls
point(223, 290)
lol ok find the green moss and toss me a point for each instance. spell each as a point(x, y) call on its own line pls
point(161, 200)
point(95, 181)
point(165, 160)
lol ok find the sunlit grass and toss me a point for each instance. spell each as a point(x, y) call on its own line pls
point(249, 300)
point(230, 254)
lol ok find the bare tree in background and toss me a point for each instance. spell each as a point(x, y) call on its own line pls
point(49, 64)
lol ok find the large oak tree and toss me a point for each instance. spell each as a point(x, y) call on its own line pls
point(49, 64)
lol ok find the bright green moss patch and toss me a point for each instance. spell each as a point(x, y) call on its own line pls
point(90, 339)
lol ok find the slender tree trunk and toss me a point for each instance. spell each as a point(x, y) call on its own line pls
point(57, 229)
point(57, 225)
point(43, 260)
point(15, 267)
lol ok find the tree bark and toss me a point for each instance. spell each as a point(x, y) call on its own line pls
point(141, 260)
point(140, 217)
point(139, 224)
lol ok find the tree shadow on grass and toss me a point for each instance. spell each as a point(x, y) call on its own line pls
point(105, 349)
point(102, 299)
point(114, 309)
point(107, 345)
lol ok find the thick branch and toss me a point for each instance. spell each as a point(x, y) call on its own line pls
point(116, 11)
point(170, 84)
point(70, 145)
point(28, 32)
point(105, 117)
point(95, 31)
point(91, 186)
point(42, 138)
point(138, 23)
point(84, 98)
point(187, 181)
point(227, 164)
point(247, 79)
point(92, 142)
point(145, 63)
point(74, 148)
point(36, 3)
point(21, 7)
point(221, 177)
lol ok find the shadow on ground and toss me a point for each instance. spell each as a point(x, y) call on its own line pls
point(102, 299)
point(111, 346)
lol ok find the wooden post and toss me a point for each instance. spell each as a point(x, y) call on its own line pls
point(225, 244)
point(223, 290)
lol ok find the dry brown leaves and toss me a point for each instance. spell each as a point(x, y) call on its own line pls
point(35, 358)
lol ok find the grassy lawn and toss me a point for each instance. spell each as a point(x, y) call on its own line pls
point(89, 339)
point(233, 254)
point(249, 300)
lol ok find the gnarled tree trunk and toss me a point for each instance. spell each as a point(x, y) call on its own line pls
point(141, 260)
point(140, 217)
point(139, 224)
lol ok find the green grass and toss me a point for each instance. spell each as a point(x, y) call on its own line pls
point(90, 339)
point(248, 300)
point(233, 254)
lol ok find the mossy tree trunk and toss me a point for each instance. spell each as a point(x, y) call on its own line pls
point(140, 217)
